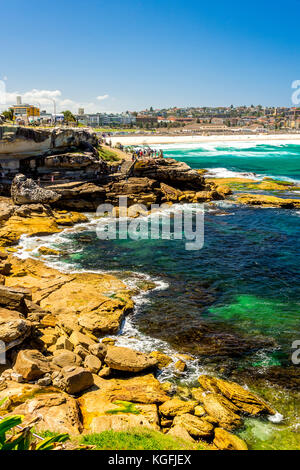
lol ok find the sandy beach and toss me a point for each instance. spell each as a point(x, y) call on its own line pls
point(181, 139)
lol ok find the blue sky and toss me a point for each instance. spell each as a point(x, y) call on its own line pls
point(136, 54)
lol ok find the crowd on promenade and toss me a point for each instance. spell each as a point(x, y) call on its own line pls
point(144, 153)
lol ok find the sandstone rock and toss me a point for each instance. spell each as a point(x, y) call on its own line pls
point(81, 351)
point(14, 298)
point(244, 400)
point(105, 372)
point(99, 350)
point(162, 359)
point(180, 366)
point(269, 201)
point(222, 410)
point(92, 363)
point(25, 191)
point(14, 329)
point(79, 339)
point(57, 412)
point(227, 441)
point(123, 422)
point(44, 381)
point(74, 380)
point(196, 427)
point(66, 358)
point(44, 250)
point(63, 342)
point(126, 359)
point(31, 364)
point(199, 411)
point(144, 389)
point(180, 432)
point(176, 407)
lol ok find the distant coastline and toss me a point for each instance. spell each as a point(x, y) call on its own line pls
point(180, 139)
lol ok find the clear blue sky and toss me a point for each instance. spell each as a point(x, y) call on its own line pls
point(156, 53)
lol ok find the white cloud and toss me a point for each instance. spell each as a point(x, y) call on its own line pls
point(102, 97)
point(44, 99)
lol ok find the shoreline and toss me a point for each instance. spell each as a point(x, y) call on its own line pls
point(152, 139)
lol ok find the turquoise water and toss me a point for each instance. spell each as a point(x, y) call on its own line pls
point(268, 160)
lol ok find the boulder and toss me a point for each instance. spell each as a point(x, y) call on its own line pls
point(65, 358)
point(176, 407)
point(126, 359)
point(57, 413)
point(63, 342)
point(180, 366)
point(14, 298)
point(25, 191)
point(196, 427)
point(162, 359)
point(14, 329)
point(99, 350)
point(244, 400)
point(222, 410)
point(144, 389)
point(31, 364)
point(79, 339)
point(224, 440)
point(92, 363)
point(74, 380)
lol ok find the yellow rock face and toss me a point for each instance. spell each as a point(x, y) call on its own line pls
point(176, 407)
point(163, 359)
point(271, 201)
point(12, 230)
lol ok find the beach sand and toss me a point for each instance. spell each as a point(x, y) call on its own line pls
point(188, 139)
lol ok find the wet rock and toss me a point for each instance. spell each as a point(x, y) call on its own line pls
point(163, 360)
point(25, 191)
point(126, 359)
point(244, 400)
point(222, 410)
point(180, 366)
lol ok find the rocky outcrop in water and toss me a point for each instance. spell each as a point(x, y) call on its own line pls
point(25, 191)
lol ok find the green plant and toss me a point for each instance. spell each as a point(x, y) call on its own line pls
point(138, 439)
point(126, 407)
point(14, 437)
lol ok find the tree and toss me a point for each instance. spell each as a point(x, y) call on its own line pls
point(9, 114)
point(68, 116)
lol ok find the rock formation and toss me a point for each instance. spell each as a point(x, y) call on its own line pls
point(25, 191)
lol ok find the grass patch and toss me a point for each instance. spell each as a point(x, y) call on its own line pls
point(137, 439)
point(108, 155)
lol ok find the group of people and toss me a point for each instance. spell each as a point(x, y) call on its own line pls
point(140, 154)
